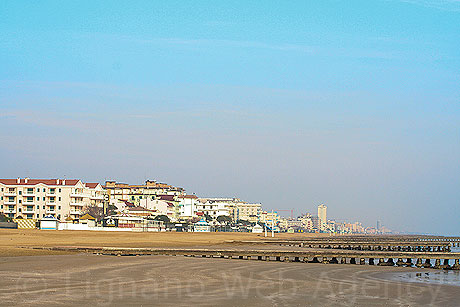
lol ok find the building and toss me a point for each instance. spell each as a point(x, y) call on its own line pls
point(188, 206)
point(268, 217)
point(120, 193)
point(307, 222)
point(36, 198)
point(322, 217)
point(246, 212)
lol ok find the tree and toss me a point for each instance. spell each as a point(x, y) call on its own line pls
point(224, 219)
point(94, 211)
point(4, 218)
point(208, 217)
point(163, 218)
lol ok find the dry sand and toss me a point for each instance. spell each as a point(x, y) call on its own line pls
point(75, 280)
point(11, 240)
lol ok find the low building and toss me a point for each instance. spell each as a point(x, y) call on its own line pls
point(49, 222)
point(201, 226)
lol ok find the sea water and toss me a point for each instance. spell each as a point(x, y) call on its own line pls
point(441, 277)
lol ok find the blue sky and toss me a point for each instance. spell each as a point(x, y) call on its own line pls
point(352, 103)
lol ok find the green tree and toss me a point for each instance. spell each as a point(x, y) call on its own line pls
point(163, 218)
point(224, 219)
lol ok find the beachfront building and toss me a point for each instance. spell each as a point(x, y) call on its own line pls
point(188, 206)
point(121, 193)
point(246, 211)
point(36, 198)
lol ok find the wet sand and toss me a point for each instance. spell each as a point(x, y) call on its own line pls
point(87, 279)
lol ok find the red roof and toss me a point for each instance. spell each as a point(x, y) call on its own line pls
point(91, 185)
point(61, 182)
point(188, 196)
point(166, 197)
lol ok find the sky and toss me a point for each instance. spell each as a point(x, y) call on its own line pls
point(354, 104)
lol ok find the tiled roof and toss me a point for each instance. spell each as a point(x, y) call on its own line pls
point(166, 197)
point(188, 196)
point(27, 181)
point(91, 185)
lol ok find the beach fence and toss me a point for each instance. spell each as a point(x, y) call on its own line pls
point(26, 223)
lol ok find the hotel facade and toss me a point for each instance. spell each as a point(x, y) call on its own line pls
point(36, 198)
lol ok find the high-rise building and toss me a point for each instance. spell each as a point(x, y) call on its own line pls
point(322, 216)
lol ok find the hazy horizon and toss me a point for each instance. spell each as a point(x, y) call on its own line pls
point(291, 104)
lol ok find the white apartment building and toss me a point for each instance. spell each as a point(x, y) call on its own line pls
point(212, 208)
point(322, 217)
point(35, 198)
point(188, 206)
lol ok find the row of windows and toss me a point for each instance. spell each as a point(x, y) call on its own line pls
point(30, 199)
point(31, 190)
point(38, 207)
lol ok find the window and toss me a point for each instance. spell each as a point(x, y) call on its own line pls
point(44, 190)
point(43, 207)
point(59, 207)
point(1, 206)
point(20, 192)
point(19, 209)
point(2, 189)
point(20, 201)
point(59, 198)
point(38, 189)
point(2, 197)
point(44, 198)
point(60, 190)
point(38, 207)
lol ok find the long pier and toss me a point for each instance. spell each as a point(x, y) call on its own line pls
point(441, 260)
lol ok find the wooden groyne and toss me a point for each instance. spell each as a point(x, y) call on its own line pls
point(409, 246)
point(437, 260)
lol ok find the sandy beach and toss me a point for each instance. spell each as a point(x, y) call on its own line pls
point(43, 277)
point(180, 281)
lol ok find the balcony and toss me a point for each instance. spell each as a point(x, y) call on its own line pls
point(28, 211)
point(50, 194)
point(51, 204)
point(76, 204)
point(50, 211)
point(9, 194)
point(28, 194)
point(97, 197)
point(76, 194)
point(7, 202)
point(8, 210)
point(75, 212)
